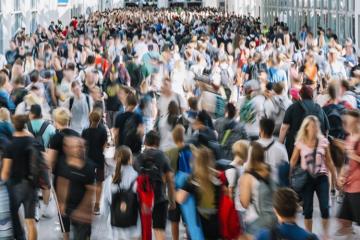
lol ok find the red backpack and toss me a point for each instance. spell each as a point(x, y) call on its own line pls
point(229, 221)
point(146, 198)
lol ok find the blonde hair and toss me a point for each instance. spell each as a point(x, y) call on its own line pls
point(303, 133)
point(241, 149)
point(178, 133)
point(62, 116)
point(4, 114)
point(203, 168)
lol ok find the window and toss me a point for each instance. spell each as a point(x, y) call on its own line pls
point(33, 24)
point(34, 4)
point(1, 30)
point(17, 15)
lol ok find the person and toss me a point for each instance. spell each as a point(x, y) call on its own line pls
point(348, 95)
point(80, 105)
point(285, 207)
point(349, 180)
point(129, 128)
point(5, 88)
point(183, 151)
point(295, 115)
point(336, 68)
point(19, 91)
point(42, 131)
point(312, 147)
point(256, 190)
point(167, 95)
point(6, 128)
point(75, 181)
point(96, 139)
point(276, 105)
point(206, 188)
point(229, 130)
point(124, 177)
point(166, 125)
point(15, 172)
point(275, 152)
point(161, 200)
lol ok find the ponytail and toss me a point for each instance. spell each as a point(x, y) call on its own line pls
point(123, 156)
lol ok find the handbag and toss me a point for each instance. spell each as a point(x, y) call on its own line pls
point(298, 178)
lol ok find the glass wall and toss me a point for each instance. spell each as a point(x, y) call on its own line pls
point(338, 15)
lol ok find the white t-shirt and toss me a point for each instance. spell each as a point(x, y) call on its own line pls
point(164, 101)
point(233, 177)
point(274, 156)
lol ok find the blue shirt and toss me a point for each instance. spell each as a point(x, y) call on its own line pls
point(287, 231)
point(49, 131)
point(277, 75)
point(6, 96)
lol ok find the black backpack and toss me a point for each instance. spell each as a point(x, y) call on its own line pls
point(149, 168)
point(38, 135)
point(38, 170)
point(131, 137)
point(124, 208)
point(71, 102)
point(333, 113)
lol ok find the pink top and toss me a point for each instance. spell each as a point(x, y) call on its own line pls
point(306, 154)
point(352, 183)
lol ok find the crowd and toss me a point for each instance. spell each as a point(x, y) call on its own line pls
point(220, 123)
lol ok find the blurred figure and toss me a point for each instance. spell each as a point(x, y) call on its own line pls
point(76, 189)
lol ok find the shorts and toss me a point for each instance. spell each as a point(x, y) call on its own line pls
point(159, 215)
point(99, 175)
point(349, 209)
point(23, 193)
point(175, 214)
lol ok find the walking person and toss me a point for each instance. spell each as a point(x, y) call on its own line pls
point(312, 148)
point(96, 139)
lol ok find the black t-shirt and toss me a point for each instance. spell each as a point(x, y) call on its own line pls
point(294, 117)
point(122, 122)
point(78, 179)
point(111, 89)
point(16, 151)
point(18, 94)
point(161, 162)
point(96, 138)
point(57, 143)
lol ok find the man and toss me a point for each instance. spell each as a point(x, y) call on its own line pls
point(129, 128)
point(167, 95)
point(160, 161)
point(80, 105)
point(5, 89)
point(42, 131)
point(275, 152)
point(285, 207)
point(15, 172)
point(295, 115)
point(349, 180)
point(76, 181)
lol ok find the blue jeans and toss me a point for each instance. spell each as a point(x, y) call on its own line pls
point(320, 185)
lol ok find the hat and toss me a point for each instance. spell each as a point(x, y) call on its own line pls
point(35, 109)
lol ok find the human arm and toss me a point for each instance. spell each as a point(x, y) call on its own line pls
point(245, 190)
point(171, 188)
point(294, 158)
point(6, 169)
point(330, 164)
point(283, 131)
point(181, 196)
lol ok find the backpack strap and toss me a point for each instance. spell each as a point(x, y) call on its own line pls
point(269, 146)
point(43, 128)
point(30, 128)
point(274, 233)
point(71, 103)
point(88, 102)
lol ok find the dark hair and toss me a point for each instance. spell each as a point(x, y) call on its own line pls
point(90, 59)
point(204, 118)
point(75, 83)
point(332, 91)
point(267, 125)
point(231, 110)
point(306, 92)
point(193, 103)
point(152, 139)
point(131, 100)
point(173, 110)
point(122, 157)
point(3, 80)
point(19, 80)
point(19, 121)
point(285, 202)
point(345, 84)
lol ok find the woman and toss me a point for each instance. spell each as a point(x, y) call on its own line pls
point(256, 189)
point(166, 125)
point(313, 149)
point(96, 139)
point(206, 187)
point(124, 177)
